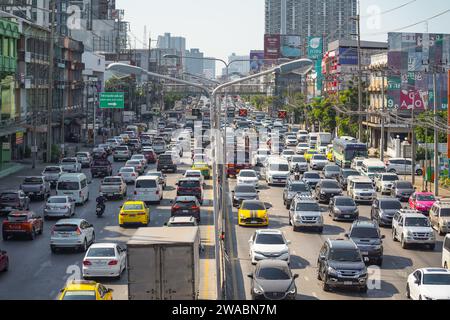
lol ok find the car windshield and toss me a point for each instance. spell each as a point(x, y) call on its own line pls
point(349, 173)
point(288, 152)
point(254, 206)
point(317, 157)
point(308, 206)
point(274, 273)
point(298, 159)
point(298, 187)
point(245, 189)
point(52, 169)
point(101, 252)
point(146, 184)
point(390, 205)
point(189, 184)
point(404, 185)
point(311, 175)
point(445, 212)
point(330, 185)
point(121, 149)
point(57, 200)
point(264, 152)
point(80, 295)
point(417, 222)
point(135, 206)
point(345, 202)
point(133, 163)
point(67, 185)
point(69, 160)
point(367, 233)
point(425, 197)
point(345, 255)
point(18, 218)
point(279, 167)
point(247, 174)
point(33, 180)
point(272, 239)
point(101, 163)
point(9, 196)
point(390, 178)
point(436, 279)
point(66, 228)
point(112, 181)
point(123, 170)
point(363, 185)
point(193, 174)
point(333, 168)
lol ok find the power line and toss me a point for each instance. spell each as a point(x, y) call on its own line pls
point(391, 10)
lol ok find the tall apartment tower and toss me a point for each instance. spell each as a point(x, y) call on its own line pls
point(328, 18)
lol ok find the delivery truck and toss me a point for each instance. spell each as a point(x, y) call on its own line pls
point(163, 264)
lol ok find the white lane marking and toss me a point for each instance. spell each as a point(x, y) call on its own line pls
point(314, 294)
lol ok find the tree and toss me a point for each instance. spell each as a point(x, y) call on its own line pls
point(427, 135)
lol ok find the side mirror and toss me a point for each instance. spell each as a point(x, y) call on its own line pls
point(296, 276)
point(321, 257)
point(250, 275)
point(165, 224)
point(383, 237)
point(289, 242)
point(417, 281)
point(110, 290)
point(347, 235)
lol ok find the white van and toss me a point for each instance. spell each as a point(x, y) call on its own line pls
point(446, 252)
point(277, 171)
point(148, 189)
point(74, 185)
point(372, 167)
point(361, 189)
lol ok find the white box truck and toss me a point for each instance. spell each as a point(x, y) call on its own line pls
point(163, 264)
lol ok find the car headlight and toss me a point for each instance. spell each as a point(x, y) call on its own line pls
point(332, 270)
point(409, 234)
point(258, 290)
point(427, 298)
point(338, 210)
point(258, 252)
point(292, 289)
point(242, 216)
point(377, 247)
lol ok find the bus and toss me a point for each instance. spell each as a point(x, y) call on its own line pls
point(345, 151)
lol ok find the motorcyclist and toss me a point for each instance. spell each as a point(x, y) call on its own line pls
point(101, 199)
point(297, 172)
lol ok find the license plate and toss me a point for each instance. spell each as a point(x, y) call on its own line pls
point(132, 215)
point(365, 253)
point(165, 167)
point(185, 211)
point(110, 194)
point(254, 222)
point(348, 283)
point(347, 216)
point(65, 235)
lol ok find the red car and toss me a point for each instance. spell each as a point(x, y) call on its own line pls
point(4, 261)
point(150, 155)
point(25, 223)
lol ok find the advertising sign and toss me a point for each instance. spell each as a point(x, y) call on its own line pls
point(272, 44)
point(315, 48)
point(112, 100)
point(291, 46)
point(348, 56)
point(19, 138)
point(257, 60)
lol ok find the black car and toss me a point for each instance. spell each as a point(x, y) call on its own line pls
point(402, 190)
point(343, 208)
point(366, 235)
point(327, 189)
point(311, 178)
point(344, 174)
point(165, 163)
point(384, 209)
point(273, 280)
point(13, 200)
point(101, 168)
point(340, 264)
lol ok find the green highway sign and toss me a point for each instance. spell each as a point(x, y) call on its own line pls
point(112, 100)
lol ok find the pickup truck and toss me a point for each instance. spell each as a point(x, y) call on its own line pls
point(36, 187)
point(113, 187)
point(13, 200)
point(70, 165)
point(22, 223)
point(101, 168)
point(51, 174)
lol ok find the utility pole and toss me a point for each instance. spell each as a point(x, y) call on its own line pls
point(436, 140)
point(383, 106)
point(359, 73)
point(413, 142)
point(50, 81)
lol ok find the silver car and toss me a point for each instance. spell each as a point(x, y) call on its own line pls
point(72, 233)
point(59, 206)
point(244, 192)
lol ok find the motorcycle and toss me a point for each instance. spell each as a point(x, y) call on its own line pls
point(100, 208)
point(297, 176)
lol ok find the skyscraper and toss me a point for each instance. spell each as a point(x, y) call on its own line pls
point(328, 18)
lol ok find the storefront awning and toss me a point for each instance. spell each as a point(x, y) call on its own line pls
point(6, 131)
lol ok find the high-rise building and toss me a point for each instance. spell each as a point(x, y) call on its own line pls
point(240, 65)
point(167, 41)
point(209, 68)
point(194, 62)
point(328, 18)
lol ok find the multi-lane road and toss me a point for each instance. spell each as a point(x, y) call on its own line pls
point(36, 273)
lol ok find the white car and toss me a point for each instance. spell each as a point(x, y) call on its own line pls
point(429, 284)
point(136, 164)
point(260, 156)
point(291, 141)
point(141, 158)
point(195, 174)
point(385, 181)
point(128, 174)
point(104, 260)
point(72, 233)
point(248, 177)
point(70, 165)
point(412, 227)
point(302, 148)
point(287, 154)
point(300, 161)
point(269, 244)
point(318, 162)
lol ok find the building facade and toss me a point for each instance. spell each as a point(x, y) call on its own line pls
point(194, 62)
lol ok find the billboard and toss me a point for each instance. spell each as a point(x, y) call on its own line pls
point(348, 56)
point(413, 57)
point(257, 60)
point(272, 44)
point(291, 46)
point(315, 48)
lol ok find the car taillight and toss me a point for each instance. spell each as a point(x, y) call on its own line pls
point(157, 191)
point(176, 207)
point(198, 189)
point(113, 263)
point(78, 232)
point(195, 208)
point(133, 175)
point(119, 174)
point(87, 263)
point(135, 193)
point(80, 194)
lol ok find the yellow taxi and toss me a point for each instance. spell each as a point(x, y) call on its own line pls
point(310, 153)
point(253, 213)
point(330, 153)
point(204, 168)
point(134, 213)
point(125, 137)
point(85, 290)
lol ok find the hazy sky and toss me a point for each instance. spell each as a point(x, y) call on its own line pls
point(220, 28)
